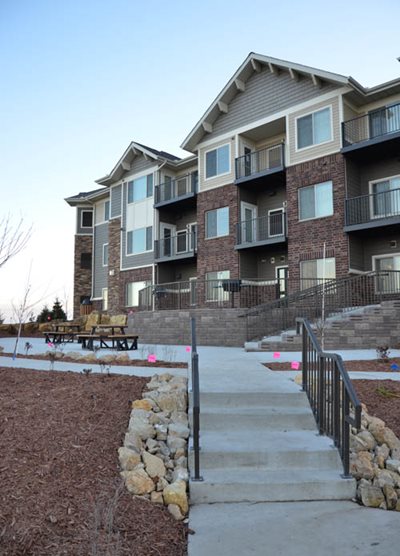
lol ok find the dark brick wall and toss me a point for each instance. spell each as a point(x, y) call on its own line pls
point(126, 276)
point(306, 239)
point(114, 256)
point(82, 276)
point(217, 253)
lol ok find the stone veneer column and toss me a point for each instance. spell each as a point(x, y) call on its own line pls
point(217, 253)
point(114, 273)
point(306, 239)
point(82, 276)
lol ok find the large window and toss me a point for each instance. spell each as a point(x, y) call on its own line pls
point(140, 188)
point(217, 161)
point(388, 268)
point(86, 219)
point(139, 241)
point(132, 292)
point(217, 222)
point(314, 128)
point(316, 201)
point(386, 197)
point(215, 290)
point(316, 272)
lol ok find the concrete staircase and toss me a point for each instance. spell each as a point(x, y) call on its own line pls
point(263, 446)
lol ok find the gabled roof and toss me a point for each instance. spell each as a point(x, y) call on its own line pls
point(85, 197)
point(253, 64)
point(125, 162)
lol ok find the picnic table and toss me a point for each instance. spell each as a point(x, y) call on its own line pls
point(113, 327)
point(62, 332)
point(121, 342)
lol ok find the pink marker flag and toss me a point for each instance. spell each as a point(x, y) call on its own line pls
point(276, 355)
point(151, 359)
point(295, 365)
point(187, 349)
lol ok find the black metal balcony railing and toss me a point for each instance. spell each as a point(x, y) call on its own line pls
point(182, 244)
point(372, 125)
point(369, 208)
point(262, 229)
point(174, 189)
point(260, 162)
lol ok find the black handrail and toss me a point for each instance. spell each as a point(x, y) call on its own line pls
point(377, 123)
point(264, 160)
point(195, 403)
point(330, 392)
point(372, 207)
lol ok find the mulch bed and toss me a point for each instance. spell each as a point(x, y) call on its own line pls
point(122, 363)
point(61, 493)
point(353, 366)
point(382, 398)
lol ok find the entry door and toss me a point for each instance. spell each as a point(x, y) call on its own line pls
point(167, 231)
point(248, 223)
point(282, 273)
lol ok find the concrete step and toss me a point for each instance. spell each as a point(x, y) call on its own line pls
point(281, 399)
point(255, 418)
point(268, 449)
point(261, 485)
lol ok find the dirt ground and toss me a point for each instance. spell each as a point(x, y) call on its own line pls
point(382, 398)
point(61, 492)
point(353, 366)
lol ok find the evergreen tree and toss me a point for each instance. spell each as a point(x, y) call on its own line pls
point(44, 315)
point(58, 312)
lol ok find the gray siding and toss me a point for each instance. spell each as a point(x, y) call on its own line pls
point(248, 265)
point(376, 171)
point(356, 253)
point(140, 164)
point(116, 201)
point(100, 272)
point(168, 272)
point(265, 200)
point(266, 94)
point(379, 245)
point(79, 229)
point(266, 269)
point(132, 261)
point(353, 183)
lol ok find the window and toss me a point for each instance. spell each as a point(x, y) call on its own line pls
point(140, 188)
point(86, 260)
point(317, 271)
point(217, 222)
point(139, 241)
point(132, 293)
point(106, 211)
point(86, 219)
point(217, 161)
point(316, 201)
point(105, 254)
point(388, 268)
point(314, 128)
point(215, 291)
point(386, 197)
point(104, 295)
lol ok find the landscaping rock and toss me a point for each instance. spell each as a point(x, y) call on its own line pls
point(138, 481)
point(361, 465)
point(176, 494)
point(154, 466)
point(142, 404)
point(156, 497)
point(393, 465)
point(175, 511)
point(179, 430)
point(371, 496)
point(391, 497)
point(128, 459)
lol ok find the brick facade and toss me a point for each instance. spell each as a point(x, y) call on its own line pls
point(114, 255)
point(306, 239)
point(217, 253)
point(82, 276)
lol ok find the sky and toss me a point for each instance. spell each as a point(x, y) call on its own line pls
point(80, 79)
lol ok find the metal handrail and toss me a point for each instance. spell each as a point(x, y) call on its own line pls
point(262, 228)
point(195, 403)
point(176, 188)
point(182, 243)
point(331, 394)
point(367, 208)
point(376, 123)
point(269, 158)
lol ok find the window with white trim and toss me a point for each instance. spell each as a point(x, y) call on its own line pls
point(314, 128)
point(132, 292)
point(140, 188)
point(214, 288)
point(316, 201)
point(217, 222)
point(139, 240)
point(386, 197)
point(217, 161)
point(104, 296)
point(105, 254)
point(316, 272)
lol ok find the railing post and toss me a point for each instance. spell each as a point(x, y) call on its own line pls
point(321, 394)
point(304, 358)
point(195, 403)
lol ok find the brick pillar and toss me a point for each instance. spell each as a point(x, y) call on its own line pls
point(82, 276)
point(114, 274)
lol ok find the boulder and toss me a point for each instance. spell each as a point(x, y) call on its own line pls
point(117, 320)
point(391, 497)
point(364, 440)
point(92, 320)
point(371, 496)
point(175, 511)
point(138, 481)
point(176, 494)
point(180, 474)
point(175, 443)
point(128, 459)
point(169, 400)
point(154, 465)
point(361, 465)
point(156, 497)
point(384, 477)
point(133, 441)
point(145, 404)
point(393, 465)
point(179, 430)
point(139, 422)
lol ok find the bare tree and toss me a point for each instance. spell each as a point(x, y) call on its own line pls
point(13, 238)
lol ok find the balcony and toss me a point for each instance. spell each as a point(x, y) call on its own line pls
point(181, 246)
point(377, 131)
point(257, 166)
point(373, 211)
point(179, 193)
point(266, 230)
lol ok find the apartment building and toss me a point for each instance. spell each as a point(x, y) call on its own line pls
point(293, 174)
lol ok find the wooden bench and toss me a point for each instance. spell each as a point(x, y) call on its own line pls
point(57, 337)
point(87, 340)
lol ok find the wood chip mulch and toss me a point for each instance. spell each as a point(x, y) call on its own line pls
point(382, 398)
point(60, 492)
point(353, 366)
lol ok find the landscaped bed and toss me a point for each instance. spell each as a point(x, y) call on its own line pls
point(61, 491)
point(361, 365)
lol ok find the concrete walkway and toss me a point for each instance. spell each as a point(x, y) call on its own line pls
point(333, 528)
